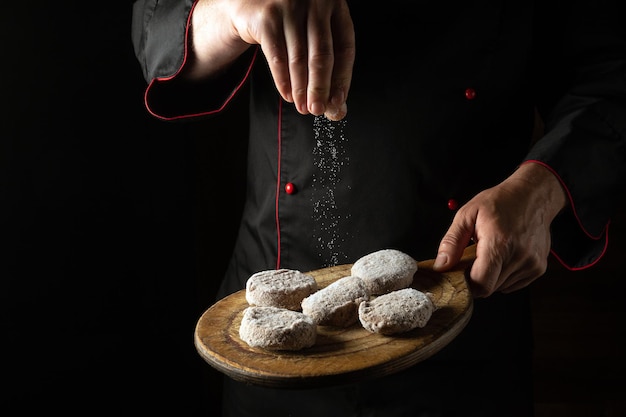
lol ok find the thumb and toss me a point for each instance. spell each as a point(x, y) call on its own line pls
point(452, 245)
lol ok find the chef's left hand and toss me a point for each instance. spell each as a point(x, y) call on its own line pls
point(510, 224)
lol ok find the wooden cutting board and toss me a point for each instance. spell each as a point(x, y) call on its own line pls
point(339, 355)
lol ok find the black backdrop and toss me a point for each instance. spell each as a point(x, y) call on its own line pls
point(116, 227)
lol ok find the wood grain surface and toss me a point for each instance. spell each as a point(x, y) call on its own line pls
point(340, 355)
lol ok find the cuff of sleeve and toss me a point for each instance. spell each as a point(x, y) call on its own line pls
point(572, 246)
point(172, 98)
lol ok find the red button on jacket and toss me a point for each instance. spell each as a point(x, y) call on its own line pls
point(290, 188)
point(470, 93)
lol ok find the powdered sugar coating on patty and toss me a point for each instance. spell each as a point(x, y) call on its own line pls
point(276, 328)
point(284, 288)
point(396, 312)
point(385, 270)
point(337, 304)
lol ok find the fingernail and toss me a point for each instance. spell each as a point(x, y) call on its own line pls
point(302, 108)
point(336, 114)
point(317, 108)
point(440, 260)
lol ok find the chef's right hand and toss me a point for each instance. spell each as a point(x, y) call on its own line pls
point(309, 45)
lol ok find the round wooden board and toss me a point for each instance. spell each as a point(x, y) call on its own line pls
point(340, 355)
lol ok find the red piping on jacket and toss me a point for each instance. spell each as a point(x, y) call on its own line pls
point(168, 78)
point(580, 268)
point(279, 155)
point(605, 231)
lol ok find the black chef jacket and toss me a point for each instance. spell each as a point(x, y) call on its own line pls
point(442, 106)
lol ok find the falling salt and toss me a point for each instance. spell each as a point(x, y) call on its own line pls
point(329, 157)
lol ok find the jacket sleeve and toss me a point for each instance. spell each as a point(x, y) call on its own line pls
point(584, 142)
point(160, 32)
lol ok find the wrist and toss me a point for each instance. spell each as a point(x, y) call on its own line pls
point(544, 185)
point(212, 45)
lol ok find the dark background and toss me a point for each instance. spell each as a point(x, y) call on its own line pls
point(116, 229)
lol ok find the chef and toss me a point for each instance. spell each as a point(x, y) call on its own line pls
point(422, 127)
